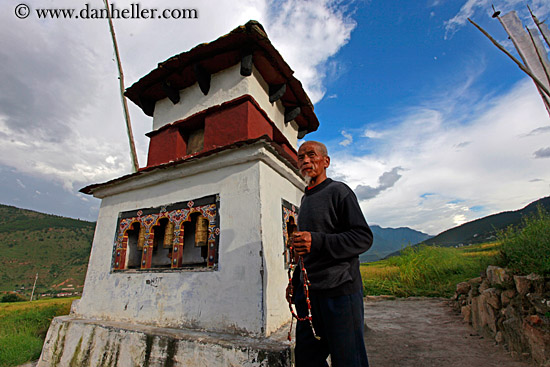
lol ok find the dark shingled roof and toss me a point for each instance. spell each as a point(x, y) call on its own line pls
point(221, 54)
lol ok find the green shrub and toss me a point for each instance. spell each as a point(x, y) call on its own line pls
point(12, 297)
point(526, 249)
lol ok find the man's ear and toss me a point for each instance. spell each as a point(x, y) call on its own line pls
point(327, 161)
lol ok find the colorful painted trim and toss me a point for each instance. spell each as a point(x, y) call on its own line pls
point(177, 214)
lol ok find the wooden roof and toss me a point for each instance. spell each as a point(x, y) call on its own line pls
point(179, 71)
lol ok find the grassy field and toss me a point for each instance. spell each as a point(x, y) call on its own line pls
point(23, 327)
point(428, 270)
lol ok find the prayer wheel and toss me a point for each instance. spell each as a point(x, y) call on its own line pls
point(201, 231)
point(168, 235)
point(141, 238)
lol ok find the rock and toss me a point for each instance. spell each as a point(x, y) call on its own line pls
point(483, 315)
point(537, 283)
point(499, 338)
point(474, 287)
point(497, 276)
point(529, 283)
point(516, 316)
point(475, 282)
point(538, 340)
point(476, 312)
point(534, 320)
point(506, 296)
point(491, 296)
point(541, 305)
point(466, 312)
point(463, 288)
point(509, 313)
point(490, 318)
point(523, 284)
point(483, 286)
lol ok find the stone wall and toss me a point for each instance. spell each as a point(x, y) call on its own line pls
point(513, 310)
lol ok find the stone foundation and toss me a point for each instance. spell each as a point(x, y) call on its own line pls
point(79, 342)
point(513, 310)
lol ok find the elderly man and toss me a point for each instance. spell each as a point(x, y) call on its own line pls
point(332, 232)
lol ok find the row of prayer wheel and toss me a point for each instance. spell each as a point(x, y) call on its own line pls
point(201, 234)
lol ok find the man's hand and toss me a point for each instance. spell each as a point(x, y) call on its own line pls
point(302, 243)
point(289, 293)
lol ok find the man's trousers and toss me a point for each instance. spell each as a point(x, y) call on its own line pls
point(339, 322)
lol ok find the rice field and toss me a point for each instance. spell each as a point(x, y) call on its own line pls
point(23, 327)
point(428, 270)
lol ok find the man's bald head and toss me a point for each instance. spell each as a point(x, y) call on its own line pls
point(321, 148)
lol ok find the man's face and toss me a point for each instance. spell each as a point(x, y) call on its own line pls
point(311, 162)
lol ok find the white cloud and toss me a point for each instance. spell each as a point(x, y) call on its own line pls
point(60, 112)
point(348, 139)
point(324, 27)
point(461, 18)
point(494, 168)
point(372, 134)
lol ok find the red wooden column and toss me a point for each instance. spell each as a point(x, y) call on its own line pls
point(147, 253)
point(120, 255)
point(177, 250)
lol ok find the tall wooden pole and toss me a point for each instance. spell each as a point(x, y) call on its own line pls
point(133, 154)
point(35, 279)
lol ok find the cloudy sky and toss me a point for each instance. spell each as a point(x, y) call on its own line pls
point(428, 122)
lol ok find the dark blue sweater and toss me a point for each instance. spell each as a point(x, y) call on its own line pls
point(339, 233)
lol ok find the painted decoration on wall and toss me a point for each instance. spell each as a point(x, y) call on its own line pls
point(183, 235)
point(290, 225)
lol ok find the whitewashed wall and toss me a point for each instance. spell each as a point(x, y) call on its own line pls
point(275, 186)
point(236, 298)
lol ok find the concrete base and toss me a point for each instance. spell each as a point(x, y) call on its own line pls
point(84, 342)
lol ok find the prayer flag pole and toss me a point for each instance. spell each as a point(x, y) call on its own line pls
point(133, 154)
point(519, 64)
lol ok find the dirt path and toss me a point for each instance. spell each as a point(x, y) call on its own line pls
point(425, 332)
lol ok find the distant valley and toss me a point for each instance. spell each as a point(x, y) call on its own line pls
point(389, 240)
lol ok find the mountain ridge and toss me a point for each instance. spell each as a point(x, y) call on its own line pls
point(484, 229)
point(388, 240)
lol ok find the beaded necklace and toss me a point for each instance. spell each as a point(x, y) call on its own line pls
point(309, 318)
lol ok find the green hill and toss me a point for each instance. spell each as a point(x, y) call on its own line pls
point(56, 248)
point(485, 229)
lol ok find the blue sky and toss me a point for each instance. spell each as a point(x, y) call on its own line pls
point(424, 118)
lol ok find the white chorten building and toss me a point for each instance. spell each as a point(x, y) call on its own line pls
point(188, 265)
